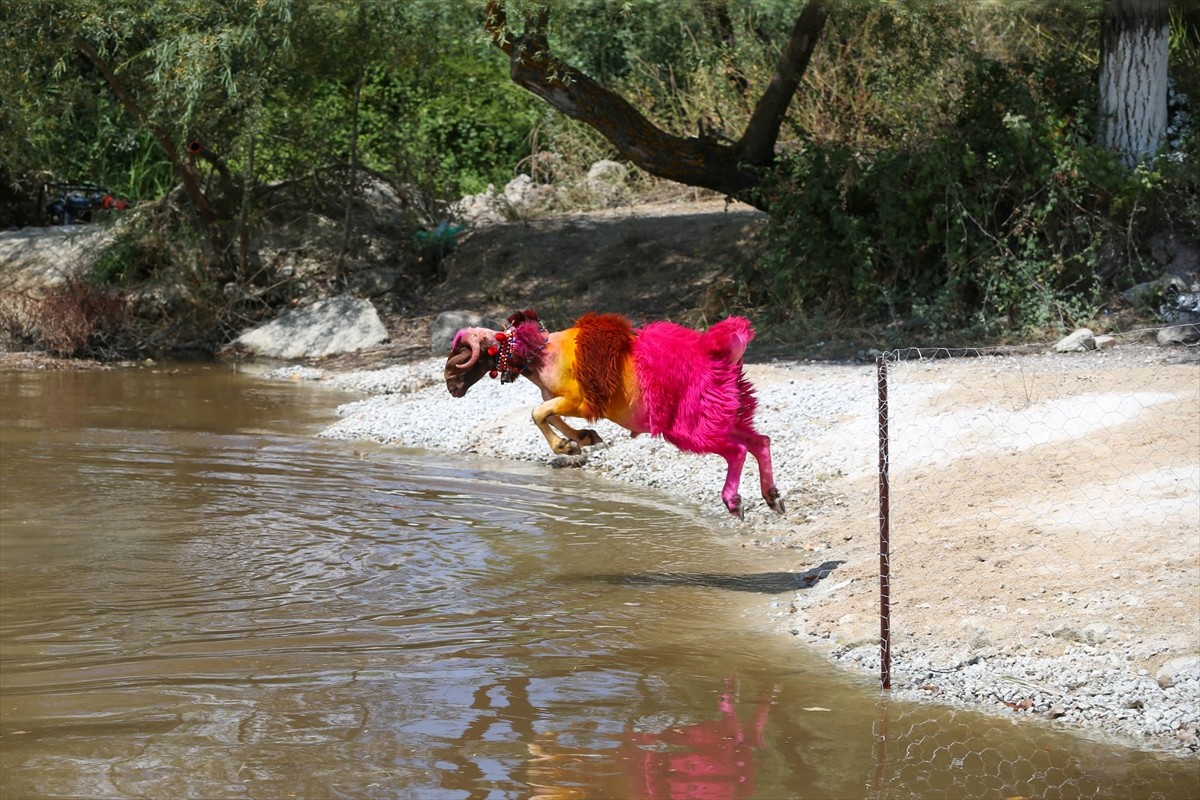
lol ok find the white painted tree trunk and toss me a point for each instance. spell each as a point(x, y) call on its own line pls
point(1133, 77)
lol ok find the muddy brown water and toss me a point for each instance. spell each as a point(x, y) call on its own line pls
point(198, 598)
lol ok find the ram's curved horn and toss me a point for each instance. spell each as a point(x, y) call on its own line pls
point(471, 337)
point(466, 366)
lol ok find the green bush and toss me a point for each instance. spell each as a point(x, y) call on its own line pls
point(1003, 215)
point(135, 253)
point(450, 122)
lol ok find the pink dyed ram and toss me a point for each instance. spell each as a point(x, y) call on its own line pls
point(684, 385)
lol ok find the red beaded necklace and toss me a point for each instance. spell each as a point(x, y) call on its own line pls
point(511, 351)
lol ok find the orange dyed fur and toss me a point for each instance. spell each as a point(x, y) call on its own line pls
point(602, 349)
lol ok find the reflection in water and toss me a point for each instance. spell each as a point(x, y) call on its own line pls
point(711, 759)
point(195, 601)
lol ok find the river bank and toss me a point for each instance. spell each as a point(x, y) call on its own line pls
point(1046, 531)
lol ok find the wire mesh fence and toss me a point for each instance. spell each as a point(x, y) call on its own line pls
point(1052, 501)
point(960, 756)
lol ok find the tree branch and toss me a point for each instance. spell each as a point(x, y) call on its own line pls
point(735, 170)
point(758, 141)
point(187, 175)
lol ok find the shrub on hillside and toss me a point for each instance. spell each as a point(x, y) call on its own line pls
point(1004, 213)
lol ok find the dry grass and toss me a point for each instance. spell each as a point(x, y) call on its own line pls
point(72, 318)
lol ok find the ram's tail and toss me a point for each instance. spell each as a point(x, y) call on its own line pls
point(728, 338)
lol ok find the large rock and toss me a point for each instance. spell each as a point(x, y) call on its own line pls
point(603, 175)
point(521, 196)
point(1179, 334)
point(335, 325)
point(1081, 340)
point(448, 323)
point(373, 282)
point(606, 181)
point(1177, 669)
point(480, 210)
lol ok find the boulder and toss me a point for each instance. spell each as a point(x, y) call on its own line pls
point(606, 180)
point(448, 323)
point(374, 281)
point(481, 210)
point(1080, 340)
point(525, 196)
point(1177, 669)
point(1179, 334)
point(516, 191)
point(1150, 291)
point(520, 196)
point(604, 174)
point(334, 325)
point(1179, 256)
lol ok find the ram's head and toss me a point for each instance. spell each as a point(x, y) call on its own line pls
point(471, 357)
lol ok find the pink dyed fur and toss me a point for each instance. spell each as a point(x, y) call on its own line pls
point(693, 391)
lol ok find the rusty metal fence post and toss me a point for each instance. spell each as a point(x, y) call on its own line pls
point(885, 581)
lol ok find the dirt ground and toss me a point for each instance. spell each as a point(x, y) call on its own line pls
point(1038, 503)
point(652, 261)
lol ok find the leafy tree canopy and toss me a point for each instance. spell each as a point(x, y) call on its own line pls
point(108, 89)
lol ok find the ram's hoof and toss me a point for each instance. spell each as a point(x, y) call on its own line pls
point(775, 501)
point(566, 447)
point(590, 438)
point(734, 504)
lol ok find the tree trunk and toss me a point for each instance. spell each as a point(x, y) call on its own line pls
point(735, 169)
point(183, 167)
point(351, 178)
point(1133, 77)
point(247, 191)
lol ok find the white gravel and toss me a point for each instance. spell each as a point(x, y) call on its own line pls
point(821, 419)
point(406, 403)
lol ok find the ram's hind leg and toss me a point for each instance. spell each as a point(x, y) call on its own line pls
point(735, 454)
point(760, 447)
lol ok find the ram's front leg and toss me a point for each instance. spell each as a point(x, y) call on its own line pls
point(555, 407)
